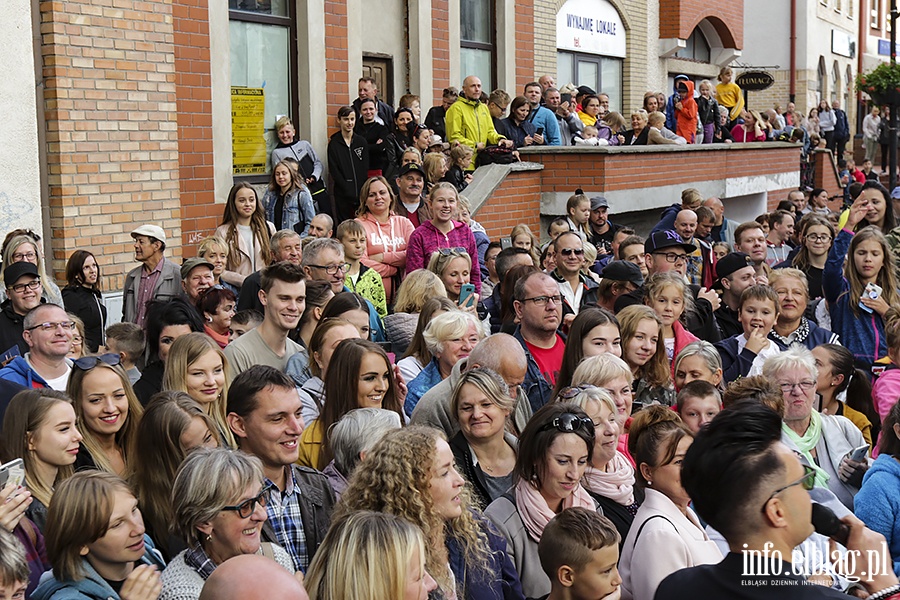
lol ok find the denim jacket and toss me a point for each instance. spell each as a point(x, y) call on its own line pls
point(297, 212)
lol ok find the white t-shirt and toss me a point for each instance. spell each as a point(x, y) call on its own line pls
point(59, 384)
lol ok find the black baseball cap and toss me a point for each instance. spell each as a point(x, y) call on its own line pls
point(411, 168)
point(734, 261)
point(15, 271)
point(660, 240)
point(623, 270)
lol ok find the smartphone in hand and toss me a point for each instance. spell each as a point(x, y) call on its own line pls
point(467, 295)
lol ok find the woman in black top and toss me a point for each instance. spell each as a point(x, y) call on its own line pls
point(381, 153)
point(83, 299)
point(516, 127)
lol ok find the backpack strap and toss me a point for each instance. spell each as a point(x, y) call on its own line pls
point(267, 550)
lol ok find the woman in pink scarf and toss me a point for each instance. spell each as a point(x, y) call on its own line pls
point(554, 450)
point(609, 478)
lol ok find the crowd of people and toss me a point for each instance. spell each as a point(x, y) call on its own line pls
point(374, 399)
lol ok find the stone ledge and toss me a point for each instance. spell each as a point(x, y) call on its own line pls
point(525, 152)
point(486, 180)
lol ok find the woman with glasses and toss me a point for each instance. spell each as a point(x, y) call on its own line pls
point(823, 442)
point(173, 425)
point(554, 450)
point(449, 337)
point(816, 237)
point(198, 367)
point(24, 248)
point(666, 535)
point(83, 298)
point(96, 543)
point(219, 502)
point(387, 233)
point(443, 231)
point(410, 474)
point(359, 375)
point(484, 451)
point(417, 354)
point(39, 427)
point(108, 412)
point(791, 326)
point(609, 478)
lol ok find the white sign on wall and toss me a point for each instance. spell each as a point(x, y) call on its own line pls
point(591, 26)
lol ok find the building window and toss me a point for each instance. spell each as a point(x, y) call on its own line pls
point(600, 73)
point(820, 81)
point(875, 14)
point(835, 82)
point(697, 47)
point(263, 55)
point(477, 49)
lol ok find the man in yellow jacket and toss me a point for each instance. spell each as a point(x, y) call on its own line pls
point(469, 122)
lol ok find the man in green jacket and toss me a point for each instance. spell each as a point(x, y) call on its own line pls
point(469, 121)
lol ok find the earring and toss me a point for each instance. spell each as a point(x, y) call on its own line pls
point(209, 319)
point(649, 483)
point(209, 537)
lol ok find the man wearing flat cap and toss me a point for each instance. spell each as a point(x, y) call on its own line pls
point(156, 278)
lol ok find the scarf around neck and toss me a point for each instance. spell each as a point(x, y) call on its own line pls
point(807, 442)
point(617, 484)
point(534, 510)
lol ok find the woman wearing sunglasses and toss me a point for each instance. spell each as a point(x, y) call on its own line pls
point(658, 440)
point(108, 412)
point(442, 231)
point(219, 503)
point(554, 450)
point(96, 543)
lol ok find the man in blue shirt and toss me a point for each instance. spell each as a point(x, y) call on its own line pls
point(542, 118)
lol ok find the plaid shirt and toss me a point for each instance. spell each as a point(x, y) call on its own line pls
point(284, 515)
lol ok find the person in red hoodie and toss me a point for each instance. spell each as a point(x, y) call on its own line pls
point(686, 112)
point(442, 232)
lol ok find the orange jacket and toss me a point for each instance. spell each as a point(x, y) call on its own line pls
point(686, 118)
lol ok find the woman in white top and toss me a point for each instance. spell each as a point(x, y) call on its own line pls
point(246, 231)
point(666, 535)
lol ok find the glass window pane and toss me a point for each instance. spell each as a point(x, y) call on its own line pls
point(478, 63)
point(475, 21)
point(259, 59)
point(589, 75)
point(565, 68)
point(267, 7)
point(611, 83)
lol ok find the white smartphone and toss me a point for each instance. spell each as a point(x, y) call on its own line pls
point(12, 473)
point(859, 454)
point(872, 291)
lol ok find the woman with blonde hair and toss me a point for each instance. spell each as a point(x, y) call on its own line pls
point(370, 555)
point(108, 412)
point(418, 287)
point(196, 365)
point(173, 425)
point(39, 427)
point(410, 474)
point(24, 248)
point(435, 165)
point(95, 539)
point(611, 373)
point(246, 234)
point(417, 355)
point(645, 352)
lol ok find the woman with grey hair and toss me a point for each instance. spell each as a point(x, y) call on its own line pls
point(698, 361)
point(823, 441)
point(351, 438)
point(485, 452)
point(449, 337)
point(219, 502)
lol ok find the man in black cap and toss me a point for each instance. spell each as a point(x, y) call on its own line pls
point(619, 277)
point(602, 230)
point(410, 185)
point(736, 273)
point(23, 290)
point(665, 251)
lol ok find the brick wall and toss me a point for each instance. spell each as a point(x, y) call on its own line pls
point(336, 59)
point(678, 18)
point(200, 214)
point(524, 43)
point(516, 200)
point(440, 49)
point(112, 156)
point(545, 38)
point(826, 176)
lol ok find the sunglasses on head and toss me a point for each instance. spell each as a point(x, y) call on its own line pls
point(86, 363)
point(570, 423)
point(452, 251)
point(572, 391)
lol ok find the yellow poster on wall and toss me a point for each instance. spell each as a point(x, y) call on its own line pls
point(248, 142)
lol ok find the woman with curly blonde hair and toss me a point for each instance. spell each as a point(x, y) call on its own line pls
point(410, 473)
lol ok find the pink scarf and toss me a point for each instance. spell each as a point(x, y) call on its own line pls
point(617, 484)
point(534, 510)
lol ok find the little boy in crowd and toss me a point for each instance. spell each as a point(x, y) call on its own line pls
point(14, 569)
point(359, 278)
point(126, 340)
point(697, 403)
point(743, 355)
point(244, 321)
point(579, 550)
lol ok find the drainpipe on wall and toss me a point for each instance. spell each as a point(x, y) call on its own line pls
point(793, 75)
